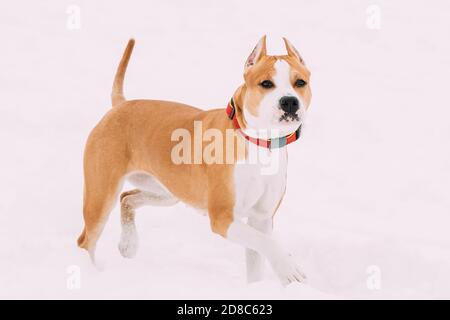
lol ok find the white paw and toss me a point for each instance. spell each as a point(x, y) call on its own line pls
point(128, 244)
point(287, 270)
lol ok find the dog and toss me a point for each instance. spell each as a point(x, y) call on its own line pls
point(134, 142)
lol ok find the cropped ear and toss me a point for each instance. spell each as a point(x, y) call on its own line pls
point(257, 53)
point(292, 52)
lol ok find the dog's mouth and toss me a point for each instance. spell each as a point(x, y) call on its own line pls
point(289, 117)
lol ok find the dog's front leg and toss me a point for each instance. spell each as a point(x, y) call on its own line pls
point(254, 260)
point(224, 222)
point(282, 263)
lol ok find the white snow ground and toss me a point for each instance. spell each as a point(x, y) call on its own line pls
point(368, 183)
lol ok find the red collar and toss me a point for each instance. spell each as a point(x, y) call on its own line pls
point(270, 143)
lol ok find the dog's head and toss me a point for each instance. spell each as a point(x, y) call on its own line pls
point(276, 92)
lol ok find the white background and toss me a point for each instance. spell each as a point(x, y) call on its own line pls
point(368, 183)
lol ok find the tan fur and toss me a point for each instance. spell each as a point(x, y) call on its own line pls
point(127, 209)
point(117, 90)
point(136, 136)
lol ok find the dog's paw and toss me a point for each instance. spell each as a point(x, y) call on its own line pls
point(288, 271)
point(128, 244)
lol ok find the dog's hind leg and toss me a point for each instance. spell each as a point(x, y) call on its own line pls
point(100, 193)
point(103, 176)
point(129, 202)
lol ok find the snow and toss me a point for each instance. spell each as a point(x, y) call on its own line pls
point(367, 184)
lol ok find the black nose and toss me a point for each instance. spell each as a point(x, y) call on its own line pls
point(289, 104)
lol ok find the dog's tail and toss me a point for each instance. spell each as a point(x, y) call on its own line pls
point(117, 89)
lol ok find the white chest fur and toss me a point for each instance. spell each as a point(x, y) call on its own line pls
point(260, 182)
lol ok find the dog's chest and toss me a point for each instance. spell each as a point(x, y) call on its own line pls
point(260, 185)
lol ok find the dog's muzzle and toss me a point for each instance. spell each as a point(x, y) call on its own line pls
point(290, 105)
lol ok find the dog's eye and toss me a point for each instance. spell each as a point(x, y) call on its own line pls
point(300, 83)
point(267, 84)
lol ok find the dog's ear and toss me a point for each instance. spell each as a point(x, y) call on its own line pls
point(292, 52)
point(257, 53)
